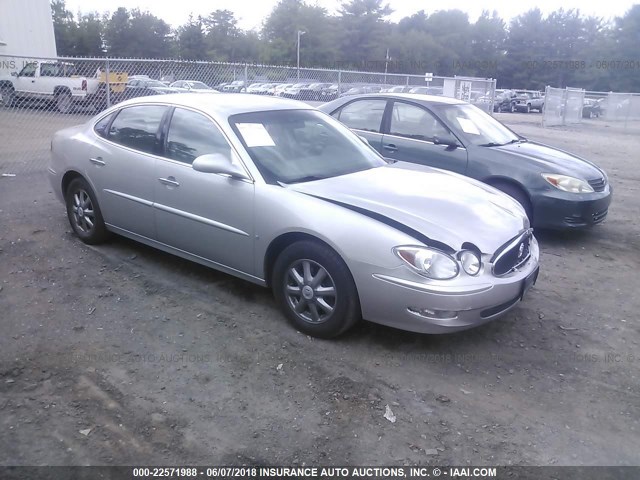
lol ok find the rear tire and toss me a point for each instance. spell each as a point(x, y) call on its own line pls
point(84, 213)
point(315, 289)
point(64, 102)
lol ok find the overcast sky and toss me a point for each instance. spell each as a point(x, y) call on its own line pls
point(251, 13)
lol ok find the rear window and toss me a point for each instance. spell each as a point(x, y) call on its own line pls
point(137, 127)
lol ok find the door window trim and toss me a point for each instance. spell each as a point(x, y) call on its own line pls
point(387, 123)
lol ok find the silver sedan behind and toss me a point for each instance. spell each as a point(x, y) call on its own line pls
point(282, 195)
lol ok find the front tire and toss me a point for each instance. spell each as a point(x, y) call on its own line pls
point(84, 213)
point(315, 289)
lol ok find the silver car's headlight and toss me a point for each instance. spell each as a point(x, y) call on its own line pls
point(567, 184)
point(470, 261)
point(429, 262)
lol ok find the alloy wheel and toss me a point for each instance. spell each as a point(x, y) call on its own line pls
point(83, 213)
point(310, 291)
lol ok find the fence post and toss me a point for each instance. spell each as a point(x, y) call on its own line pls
point(339, 82)
point(544, 107)
point(106, 72)
point(565, 95)
point(493, 96)
point(246, 77)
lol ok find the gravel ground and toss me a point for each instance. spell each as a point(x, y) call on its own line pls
point(120, 354)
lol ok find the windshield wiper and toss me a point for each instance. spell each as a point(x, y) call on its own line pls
point(492, 144)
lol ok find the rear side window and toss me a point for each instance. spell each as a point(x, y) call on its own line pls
point(137, 127)
point(101, 125)
point(191, 134)
point(363, 114)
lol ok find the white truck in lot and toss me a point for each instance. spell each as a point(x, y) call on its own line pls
point(52, 81)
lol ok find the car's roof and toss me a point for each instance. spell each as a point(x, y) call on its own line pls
point(412, 96)
point(222, 104)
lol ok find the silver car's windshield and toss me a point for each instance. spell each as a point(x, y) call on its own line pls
point(198, 86)
point(479, 127)
point(291, 146)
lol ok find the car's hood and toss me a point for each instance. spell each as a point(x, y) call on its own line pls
point(445, 207)
point(552, 160)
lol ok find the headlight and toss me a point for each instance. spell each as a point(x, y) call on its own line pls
point(429, 262)
point(470, 261)
point(567, 184)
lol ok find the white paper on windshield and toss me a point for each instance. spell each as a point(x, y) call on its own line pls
point(468, 126)
point(255, 135)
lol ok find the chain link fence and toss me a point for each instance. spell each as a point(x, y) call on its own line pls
point(43, 95)
point(572, 105)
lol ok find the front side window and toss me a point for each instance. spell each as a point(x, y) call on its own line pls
point(477, 126)
point(293, 146)
point(415, 122)
point(137, 127)
point(29, 70)
point(363, 114)
point(191, 134)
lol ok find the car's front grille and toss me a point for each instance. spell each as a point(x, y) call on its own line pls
point(598, 184)
point(512, 254)
point(599, 216)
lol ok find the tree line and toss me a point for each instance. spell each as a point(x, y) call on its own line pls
point(563, 48)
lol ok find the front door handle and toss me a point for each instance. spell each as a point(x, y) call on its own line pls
point(171, 182)
point(97, 161)
point(390, 146)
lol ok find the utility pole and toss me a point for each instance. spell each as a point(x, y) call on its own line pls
point(300, 33)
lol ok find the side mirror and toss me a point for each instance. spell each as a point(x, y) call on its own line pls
point(447, 140)
point(14, 74)
point(220, 164)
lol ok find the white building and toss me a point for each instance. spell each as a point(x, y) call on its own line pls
point(26, 31)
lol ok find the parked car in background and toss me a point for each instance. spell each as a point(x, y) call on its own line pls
point(557, 189)
point(357, 90)
point(504, 100)
point(279, 90)
point(591, 108)
point(526, 101)
point(54, 82)
point(295, 90)
point(333, 91)
point(272, 191)
point(313, 90)
point(254, 87)
point(142, 87)
point(234, 87)
point(193, 86)
point(397, 89)
point(427, 90)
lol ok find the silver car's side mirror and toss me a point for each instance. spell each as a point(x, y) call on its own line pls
point(220, 164)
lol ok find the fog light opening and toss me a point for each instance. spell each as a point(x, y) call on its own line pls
point(432, 313)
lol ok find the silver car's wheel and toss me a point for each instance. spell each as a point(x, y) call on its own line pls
point(315, 289)
point(84, 213)
point(310, 290)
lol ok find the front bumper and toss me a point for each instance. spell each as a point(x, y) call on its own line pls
point(555, 209)
point(399, 298)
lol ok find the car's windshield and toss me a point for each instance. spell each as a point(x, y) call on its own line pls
point(479, 127)
point(198, 86)
point(292, 146)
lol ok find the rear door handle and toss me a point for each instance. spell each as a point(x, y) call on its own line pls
point(390, 146)
point(171, 181)
point(97, 161)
